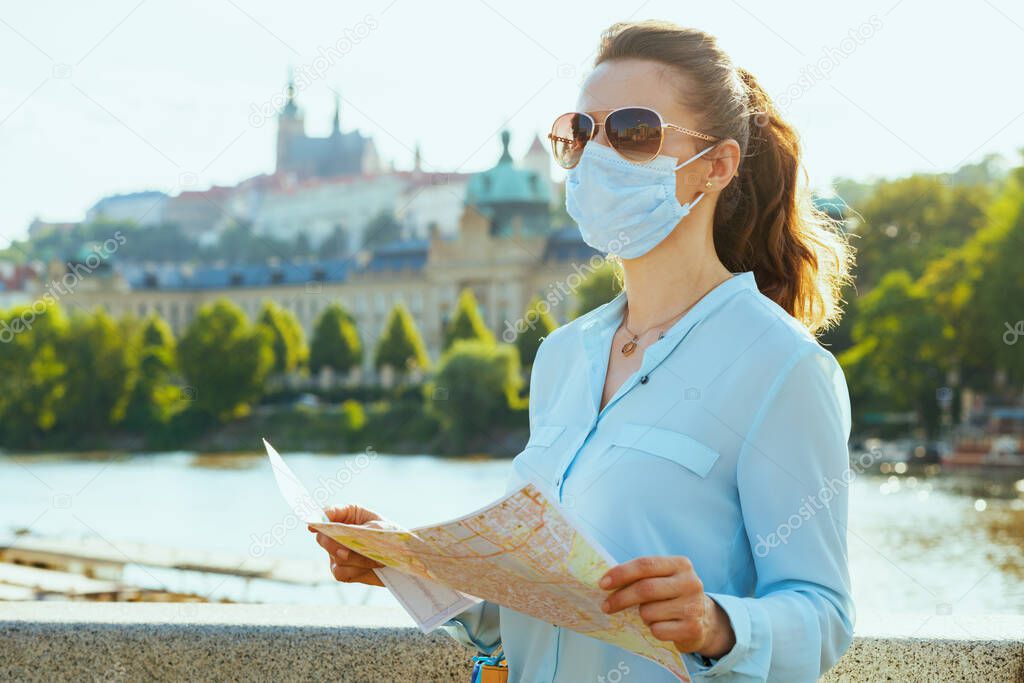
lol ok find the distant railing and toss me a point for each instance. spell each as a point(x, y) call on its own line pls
point(46, 641)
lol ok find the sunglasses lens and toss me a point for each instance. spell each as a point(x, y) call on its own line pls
point(569, 134)
point(634, 133)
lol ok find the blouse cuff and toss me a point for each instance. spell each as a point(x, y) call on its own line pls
point(748, 656)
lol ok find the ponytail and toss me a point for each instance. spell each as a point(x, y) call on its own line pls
point(765, 221)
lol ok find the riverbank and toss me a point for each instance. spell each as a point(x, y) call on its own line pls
point(401, 426)
point(903, 530)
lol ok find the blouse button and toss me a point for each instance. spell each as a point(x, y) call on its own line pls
point(643, 380)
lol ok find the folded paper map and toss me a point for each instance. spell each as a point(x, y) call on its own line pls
point(429, 603)
point(520, 552)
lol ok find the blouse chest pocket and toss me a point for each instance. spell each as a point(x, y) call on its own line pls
point(664, 443)
point(544, 435)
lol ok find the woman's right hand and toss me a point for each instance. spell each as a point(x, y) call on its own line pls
point(347, 565)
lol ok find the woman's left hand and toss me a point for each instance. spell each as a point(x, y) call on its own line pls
point(672, 603)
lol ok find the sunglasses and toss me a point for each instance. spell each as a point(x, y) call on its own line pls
point(635, 133)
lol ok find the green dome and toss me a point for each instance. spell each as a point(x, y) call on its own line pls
point(507, 183)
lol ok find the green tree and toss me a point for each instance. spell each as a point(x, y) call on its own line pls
point(907, 223)
point(401, 345)
point(336, 243)
point(991, 171)
point(467, 323)
point(599, 287)
point(32, 382)
point(901, 349)
point(225, 360)
point(336, 342)
point(382, 229)
point(240, 243)
point(854, 192)
point(155, 395)
point(536, 324)
point(995, 264)
point(476, 385)
point(100, 376)
point(302, 247)
point(971, 287)
point(288, 340)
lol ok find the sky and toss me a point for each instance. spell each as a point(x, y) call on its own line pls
point(118, 96)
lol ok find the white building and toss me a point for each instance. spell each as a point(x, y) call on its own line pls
point(432, 203)
point(538, 160)
point(142, 208)
point(319, 205)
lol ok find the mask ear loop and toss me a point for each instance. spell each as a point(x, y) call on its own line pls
point(696, 156)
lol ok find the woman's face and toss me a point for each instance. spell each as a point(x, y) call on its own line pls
point(637, 82)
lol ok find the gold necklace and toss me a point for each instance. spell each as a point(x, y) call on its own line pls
point(631, 346)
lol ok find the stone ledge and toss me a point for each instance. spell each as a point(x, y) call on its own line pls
point(926, 648)
point(42, 641)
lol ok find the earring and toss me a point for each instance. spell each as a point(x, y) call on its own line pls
point(707, 184)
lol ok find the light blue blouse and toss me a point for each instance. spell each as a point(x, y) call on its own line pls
point(728, 446)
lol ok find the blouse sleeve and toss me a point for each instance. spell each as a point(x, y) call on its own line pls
point(793, 478)
point(477, 627)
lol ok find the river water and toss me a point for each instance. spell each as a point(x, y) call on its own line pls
point(929, 544)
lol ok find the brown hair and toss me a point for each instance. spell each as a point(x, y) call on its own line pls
point(765, 221)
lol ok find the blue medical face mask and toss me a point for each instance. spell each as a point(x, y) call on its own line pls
point(622, 208)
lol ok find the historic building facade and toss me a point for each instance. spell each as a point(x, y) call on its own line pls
point(505, 250)
point(338, 154)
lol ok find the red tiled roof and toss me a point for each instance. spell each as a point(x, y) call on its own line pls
point(16, 279)
point(215, 191)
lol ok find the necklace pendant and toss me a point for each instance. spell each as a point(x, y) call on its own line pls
point(629, 347)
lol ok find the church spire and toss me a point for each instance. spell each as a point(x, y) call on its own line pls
point(290, 108)
point(336, 124)
point(506, 157)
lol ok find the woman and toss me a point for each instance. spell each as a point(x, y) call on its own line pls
point(692, 425)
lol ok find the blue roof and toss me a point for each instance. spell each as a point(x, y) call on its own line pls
point(402, 247)
point(407, 255)
point(235, 275)
point(145, 194)
point(1008, 413)
point(104, 202)
point(566, 244)
point(399, 256)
